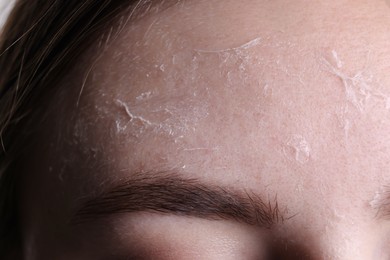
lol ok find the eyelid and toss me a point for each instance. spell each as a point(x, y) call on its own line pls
point(173, 237)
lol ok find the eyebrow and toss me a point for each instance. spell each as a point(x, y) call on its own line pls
point(169, 193)
point(381, 203)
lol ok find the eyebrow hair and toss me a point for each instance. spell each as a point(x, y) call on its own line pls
point(381, 203)
point(169, 193)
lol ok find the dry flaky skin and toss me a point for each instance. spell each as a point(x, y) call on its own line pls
point(275, 97)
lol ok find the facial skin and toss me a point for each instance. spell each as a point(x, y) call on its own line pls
point(286, 100)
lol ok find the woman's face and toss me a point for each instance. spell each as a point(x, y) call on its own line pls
point(220, 130)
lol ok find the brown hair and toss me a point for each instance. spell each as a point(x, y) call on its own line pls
point(39, 43)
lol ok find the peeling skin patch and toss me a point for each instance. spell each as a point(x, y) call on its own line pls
point(170, 93)
point(243, 47)
point(133, 117)
point(174, 101)
point(256, 62)
point(235, 63)
point(359, 88)
point(298, 149)
point(200, 149)
point(144, 96)
point(344, 122)
point(337, 59)
point(172, 120)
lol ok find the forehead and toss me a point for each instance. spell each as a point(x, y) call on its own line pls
point(224, 94)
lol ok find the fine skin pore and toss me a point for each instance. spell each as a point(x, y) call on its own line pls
point(289, 100)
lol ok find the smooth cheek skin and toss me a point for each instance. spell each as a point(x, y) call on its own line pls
point(280, 98)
